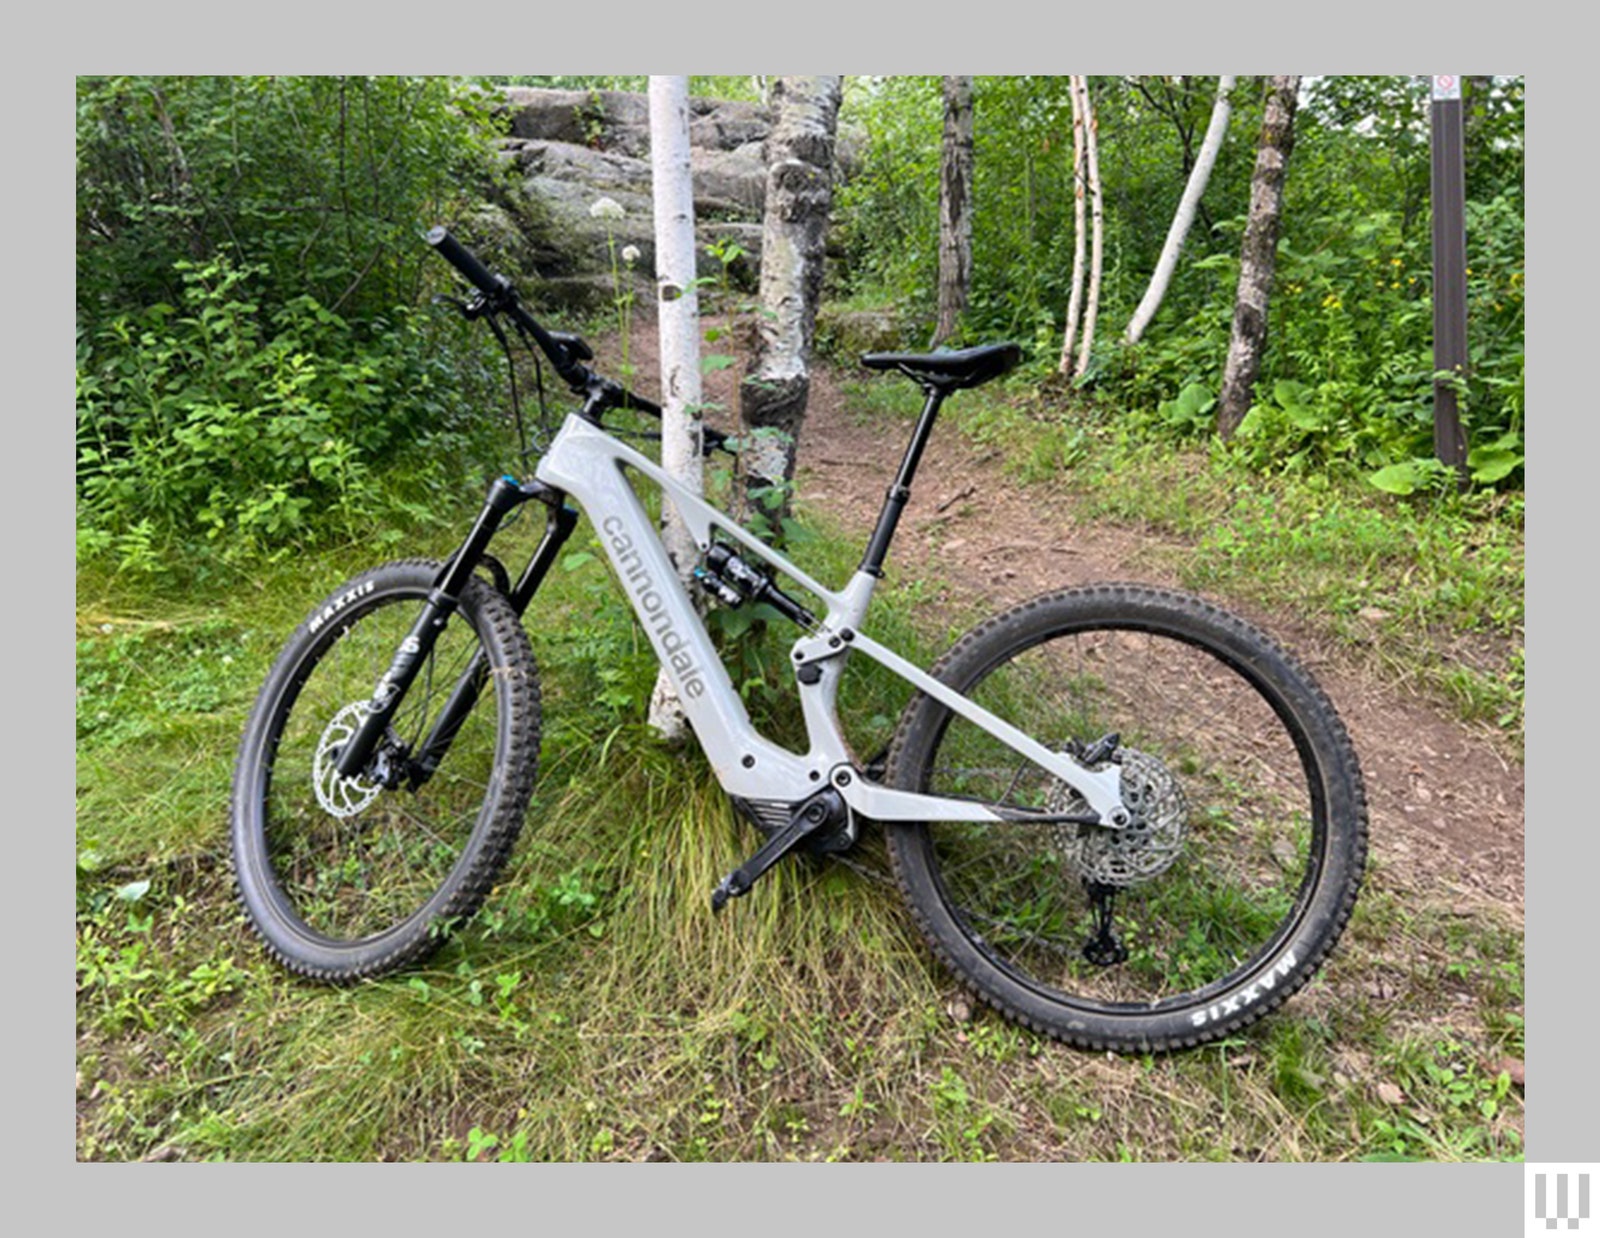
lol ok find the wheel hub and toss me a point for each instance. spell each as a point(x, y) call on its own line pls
point(1147, 846)
point(339, 796)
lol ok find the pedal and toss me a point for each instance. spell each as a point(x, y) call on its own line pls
point(821, 812)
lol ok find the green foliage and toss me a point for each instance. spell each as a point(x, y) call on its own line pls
point(249, 356)
point(323, 182)
point(1023, 199)
point(216, 418)
point(1348, 376)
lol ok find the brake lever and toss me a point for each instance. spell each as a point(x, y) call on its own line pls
point(469, 310)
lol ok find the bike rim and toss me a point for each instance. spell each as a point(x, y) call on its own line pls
point(354, 878)
point(1197, 726)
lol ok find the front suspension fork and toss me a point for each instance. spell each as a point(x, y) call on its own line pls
point(504, 496)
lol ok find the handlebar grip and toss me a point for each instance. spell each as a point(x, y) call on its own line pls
point(464, 260)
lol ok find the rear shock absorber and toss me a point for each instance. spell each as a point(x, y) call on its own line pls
point(733, 582)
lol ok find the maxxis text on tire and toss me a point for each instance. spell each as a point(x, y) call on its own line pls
point(1243, 867)
point(344, 880)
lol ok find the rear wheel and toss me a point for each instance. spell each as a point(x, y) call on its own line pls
point(1242, 862)
point(347, 878)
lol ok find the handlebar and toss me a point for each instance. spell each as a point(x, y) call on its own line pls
point(465, 261)
point(498, 295)
point(566, 353)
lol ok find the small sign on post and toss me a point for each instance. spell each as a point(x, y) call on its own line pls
point(1446, 86)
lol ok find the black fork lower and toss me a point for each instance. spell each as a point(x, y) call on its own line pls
point(505, 495)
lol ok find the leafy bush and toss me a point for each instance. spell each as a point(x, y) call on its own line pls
point(1347, 379)
point(213, 418)
point(323, 182)
point(249, 262)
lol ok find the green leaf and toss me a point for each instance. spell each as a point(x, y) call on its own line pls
point(1402, 478)
point(1291, 397)
point(575, 560)
point(1492, 463)
point(133, 891)
point(1286, 392)
point(734, 623)
point(712, 362)
point(1192, 406)
point(1495, 460)
point(1399, 479)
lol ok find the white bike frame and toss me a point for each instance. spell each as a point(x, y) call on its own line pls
point(587, 463)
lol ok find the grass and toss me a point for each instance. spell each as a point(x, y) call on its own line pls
point(597, 1011)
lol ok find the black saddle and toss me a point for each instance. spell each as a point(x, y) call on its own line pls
point(949, 370)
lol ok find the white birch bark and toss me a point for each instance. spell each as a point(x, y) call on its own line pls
point(799, 153)
point(955, 208)
point(1080, 240)
point(1091, 129)
point(1183, 218)
point(1258, 255)
point(678, 325)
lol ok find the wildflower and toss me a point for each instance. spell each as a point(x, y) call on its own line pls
point(630, 254)
point(607, 208)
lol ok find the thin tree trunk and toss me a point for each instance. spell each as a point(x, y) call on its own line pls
point(1080, 241)
point(1258, 256)
point(1091, 128)
point(772, 396)
point(955, 208)
point(1183, 218)
point(672, 189)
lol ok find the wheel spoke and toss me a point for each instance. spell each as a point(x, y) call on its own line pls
point(355, 863)
point(1229, 834)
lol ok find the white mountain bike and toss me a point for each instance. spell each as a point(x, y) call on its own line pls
point(1124, 817)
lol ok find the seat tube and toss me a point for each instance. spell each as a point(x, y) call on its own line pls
point(900, 492)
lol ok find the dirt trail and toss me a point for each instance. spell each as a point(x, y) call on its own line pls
point(1446, 804)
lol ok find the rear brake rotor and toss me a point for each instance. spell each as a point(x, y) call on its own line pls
point(1147, 846)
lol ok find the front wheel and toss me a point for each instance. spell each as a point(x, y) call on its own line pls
point(1237, 873)
point(347, 878)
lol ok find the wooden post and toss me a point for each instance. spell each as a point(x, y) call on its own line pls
point(1449, 193)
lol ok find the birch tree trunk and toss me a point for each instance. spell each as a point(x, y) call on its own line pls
point(1091, 129)
point(955, 208)
point(1258, 255)
point(1080, 240)
point(772, 395)
point(678, 324)
point(1183, 218)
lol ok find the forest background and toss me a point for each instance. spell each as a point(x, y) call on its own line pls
point(262, 385)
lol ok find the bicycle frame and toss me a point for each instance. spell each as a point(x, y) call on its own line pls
point(587, 463)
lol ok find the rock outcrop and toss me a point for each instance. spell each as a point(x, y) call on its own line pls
point(576, 148)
